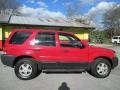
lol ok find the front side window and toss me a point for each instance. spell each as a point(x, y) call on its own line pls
point(19, 37)
point(67, 40)
point(45, 39)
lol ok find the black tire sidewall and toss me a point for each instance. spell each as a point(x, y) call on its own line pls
point(27, 61)
point(94, 66)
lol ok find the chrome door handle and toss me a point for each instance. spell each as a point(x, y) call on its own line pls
point(37, 49)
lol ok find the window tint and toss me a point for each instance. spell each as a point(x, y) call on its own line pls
point(45, 39)
point(115, 37)
point(19, 37)
point(67, 40)
point(67, 37)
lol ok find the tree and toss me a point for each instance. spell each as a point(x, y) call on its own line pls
point(111, 21)
point(74, 12)
point(73, 9)
point(9, 7)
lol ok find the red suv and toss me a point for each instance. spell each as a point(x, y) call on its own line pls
point(31, 51)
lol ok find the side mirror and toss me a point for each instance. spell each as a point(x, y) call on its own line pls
point(80, 45)
point(77, 44)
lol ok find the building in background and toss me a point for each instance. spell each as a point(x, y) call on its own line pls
point(8, 23)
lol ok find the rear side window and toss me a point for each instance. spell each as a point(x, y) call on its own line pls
point(19, 37)
point(45, 39)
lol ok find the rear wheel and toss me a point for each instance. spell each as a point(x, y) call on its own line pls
point(100, 68)
point(26, 69)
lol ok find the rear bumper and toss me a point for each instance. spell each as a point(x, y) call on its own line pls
point(8, 60)
point(114, 62)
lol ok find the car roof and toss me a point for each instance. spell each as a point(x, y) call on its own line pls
point(116, 36)
point(39, 30)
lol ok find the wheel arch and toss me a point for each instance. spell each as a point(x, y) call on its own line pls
point(21, 57)
point(106, 58)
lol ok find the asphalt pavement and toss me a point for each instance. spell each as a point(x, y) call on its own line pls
point(84, 81)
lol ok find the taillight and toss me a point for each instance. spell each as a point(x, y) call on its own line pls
point(4, 51)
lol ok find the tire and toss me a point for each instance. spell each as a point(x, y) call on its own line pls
point(115, 43)
point(26, 69)
point(100, 68)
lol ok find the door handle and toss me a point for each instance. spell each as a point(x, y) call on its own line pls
point(65, 51)
point(36, 49)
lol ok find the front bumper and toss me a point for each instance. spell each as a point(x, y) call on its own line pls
point(8, 60)
point(114, 62)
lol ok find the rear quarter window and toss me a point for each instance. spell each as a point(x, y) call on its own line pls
point(19, 37)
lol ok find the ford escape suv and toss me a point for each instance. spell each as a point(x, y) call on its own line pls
point(31, 52)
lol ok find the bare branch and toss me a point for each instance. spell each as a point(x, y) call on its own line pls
point(111, 20)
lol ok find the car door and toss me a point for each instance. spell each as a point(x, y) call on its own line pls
point(45, 47)
point(72, 49)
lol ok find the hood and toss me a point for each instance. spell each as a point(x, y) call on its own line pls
point(101, 50)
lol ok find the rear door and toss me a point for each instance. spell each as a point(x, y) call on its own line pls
point(46, 47)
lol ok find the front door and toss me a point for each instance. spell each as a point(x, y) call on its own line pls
point(71, 49)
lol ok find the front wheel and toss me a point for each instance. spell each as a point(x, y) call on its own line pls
point(25, 69)
point(100, 68)
point(115, 43)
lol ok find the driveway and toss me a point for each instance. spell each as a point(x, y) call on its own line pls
point(84, 81)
